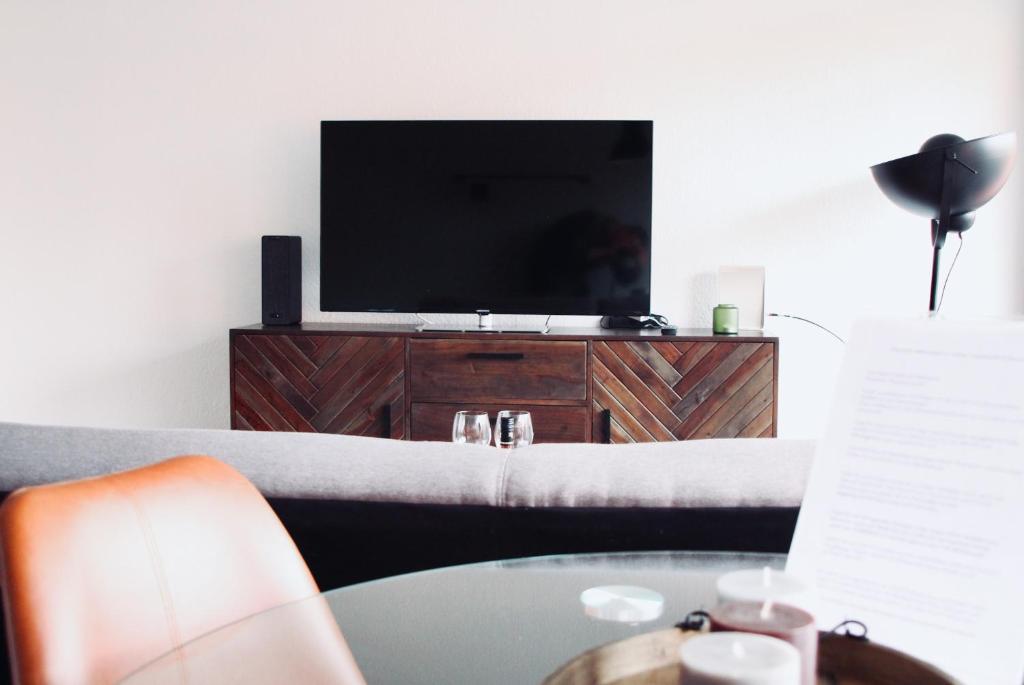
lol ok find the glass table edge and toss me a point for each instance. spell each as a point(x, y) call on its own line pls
point(766, 557)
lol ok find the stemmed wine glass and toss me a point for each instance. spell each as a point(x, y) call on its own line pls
point(513, 429)
point(471, 427)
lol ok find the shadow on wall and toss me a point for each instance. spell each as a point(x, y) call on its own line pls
point(1018, 195)
point(294, 205)
point(854, 256)
point(830, 227)
point(187, 389)
point(824, 215)
point(240, 270)
point(704, 299)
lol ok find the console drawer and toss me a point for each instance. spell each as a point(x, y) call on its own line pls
point(551, 423)
point(489, 370)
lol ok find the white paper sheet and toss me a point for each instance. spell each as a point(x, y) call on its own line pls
point(913, 521)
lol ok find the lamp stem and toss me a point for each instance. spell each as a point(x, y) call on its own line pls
point(941, 225)
point(933, 301)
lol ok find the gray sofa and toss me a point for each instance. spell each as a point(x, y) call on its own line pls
point(361, 508)
point(698, 473)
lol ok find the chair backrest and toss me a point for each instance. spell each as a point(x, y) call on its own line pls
point(102, 575)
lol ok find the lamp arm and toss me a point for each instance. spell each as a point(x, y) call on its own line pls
point(956, 158)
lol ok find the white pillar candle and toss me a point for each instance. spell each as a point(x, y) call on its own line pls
point(789, 624)
point(738, 659)
point(765, 585)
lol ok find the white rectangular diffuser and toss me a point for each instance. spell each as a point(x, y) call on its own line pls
point(743, 286)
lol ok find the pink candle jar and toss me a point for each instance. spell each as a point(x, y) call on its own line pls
point(787, 623)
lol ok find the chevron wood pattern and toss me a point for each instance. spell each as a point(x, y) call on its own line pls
point(660, 391)
point(319, 384)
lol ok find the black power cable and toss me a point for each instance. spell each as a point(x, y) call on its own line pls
point(813, 323)
point(942, 296)
point(948, 273)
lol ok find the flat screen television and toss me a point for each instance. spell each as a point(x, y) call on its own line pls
point(518, 217)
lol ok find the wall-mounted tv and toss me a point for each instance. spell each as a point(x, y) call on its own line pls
point(518, 217)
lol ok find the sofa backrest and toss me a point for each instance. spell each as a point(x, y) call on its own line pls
point(698, 473)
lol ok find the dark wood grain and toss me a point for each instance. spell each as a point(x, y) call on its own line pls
point(613, 366)
point(279, 360)
point(759, 402)
point(727, 392)
point(644, 371)
point(658, 363)
point(694, 353)
point(375, 417)
point(451, 370)
point(364, 394)
point(252, 399)
point(299, 359)
point(653, 659)
point(584, 384)
point(621, 417)
point(714, 379)
point(290, 405)
point(708, 363)
point(719, 423)
point(671, 351)
point(305, 343)
point(338, 370)
point(250, 363)
point(335, 363)
point(326, 347)
point(433, 421)
point(245, 417)
point(760, 423)
point(757, 365)
point(344, 385)
point(398, 409)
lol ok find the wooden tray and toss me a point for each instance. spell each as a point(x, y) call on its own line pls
point(653, 659)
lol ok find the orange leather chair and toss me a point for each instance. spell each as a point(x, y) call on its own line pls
point(102, 575)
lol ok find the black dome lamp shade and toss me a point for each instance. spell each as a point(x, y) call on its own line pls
point(947, 181)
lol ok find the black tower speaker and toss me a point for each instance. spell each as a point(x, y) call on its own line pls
point(282, 279)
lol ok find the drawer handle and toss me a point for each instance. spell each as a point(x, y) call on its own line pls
point(385, 412)
point(496, 356)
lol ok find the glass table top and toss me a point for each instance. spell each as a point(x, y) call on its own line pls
point(511, 621)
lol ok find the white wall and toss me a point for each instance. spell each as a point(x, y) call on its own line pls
point(145, 147)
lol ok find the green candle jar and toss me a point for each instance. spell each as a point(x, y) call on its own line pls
point(725, 320)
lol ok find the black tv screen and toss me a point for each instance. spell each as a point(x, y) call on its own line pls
point(519, 217)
